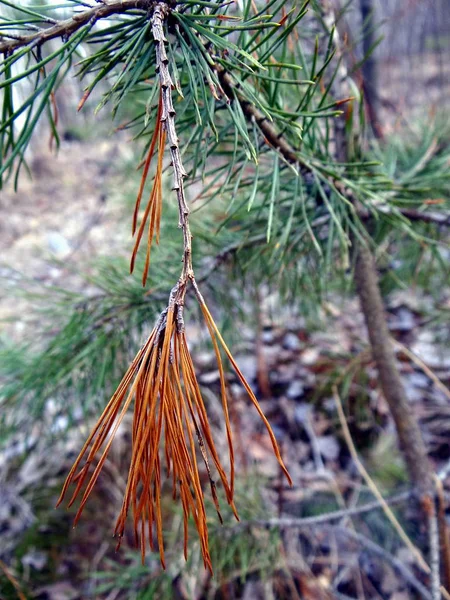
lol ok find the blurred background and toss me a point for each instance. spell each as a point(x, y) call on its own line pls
point(71, 319)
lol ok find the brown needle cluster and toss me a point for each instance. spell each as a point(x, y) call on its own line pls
point(153, 209)
point(170, 422)
point(169, 411)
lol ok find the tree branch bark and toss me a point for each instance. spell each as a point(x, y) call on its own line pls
point(409, 435)
point(366, 282)
point(69, 26)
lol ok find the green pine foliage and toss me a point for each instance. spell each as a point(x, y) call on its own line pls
point(280, 221)
point(263, 217)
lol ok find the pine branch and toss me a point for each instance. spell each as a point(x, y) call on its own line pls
point(278, 141)
point(163, 383)
point(64, 29)
point(161, 380)
point(275, 138)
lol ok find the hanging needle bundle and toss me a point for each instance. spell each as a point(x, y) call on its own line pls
point(169, 410)
point(154, 206)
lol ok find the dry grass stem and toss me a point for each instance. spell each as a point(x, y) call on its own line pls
point(13, 581)
point(419, 362)
point(372, 486)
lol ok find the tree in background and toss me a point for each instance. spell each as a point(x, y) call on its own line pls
point(257, 105)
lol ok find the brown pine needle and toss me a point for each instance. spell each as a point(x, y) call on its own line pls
point(153, 209)
point(82, 102)
point(169, 413)
point(169, 410)
point(215, 333)
point(147, 163)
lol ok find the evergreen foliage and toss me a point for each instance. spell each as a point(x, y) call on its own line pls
point(255, 101)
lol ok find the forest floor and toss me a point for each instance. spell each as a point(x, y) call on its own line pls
point(67, 212)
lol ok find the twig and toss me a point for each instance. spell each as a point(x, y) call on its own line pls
point(10, 577)
point(168, 118)
point(433, 536)
point(419, 362)
point(390, 559)
point(412, 214)
point(63, 29)
point(318, 520)
point(371, 484)
point(262, 373)
point(417, 215)
point(315, 449)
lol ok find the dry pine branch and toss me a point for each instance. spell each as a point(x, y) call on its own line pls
point(168, 403)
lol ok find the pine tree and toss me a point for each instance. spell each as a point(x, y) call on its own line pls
point(257, 103)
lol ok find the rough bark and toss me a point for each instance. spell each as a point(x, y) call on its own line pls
point(409, 435)
point(366, 282)
point(369, 66)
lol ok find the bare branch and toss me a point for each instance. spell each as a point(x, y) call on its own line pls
point(316, 521)
point(434, 218)
point(64, 29)
point(399, 565)
point(168, 119)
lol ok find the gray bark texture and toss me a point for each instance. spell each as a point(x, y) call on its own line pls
point(409, 435)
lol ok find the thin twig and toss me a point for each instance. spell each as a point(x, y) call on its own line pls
point(433, 536)
point(63, 29)
point(317, 520)
point(419, 362)
point(372, 486)
point(426, 217)
point(10, 577)
point(411, 214)
point(390, 559)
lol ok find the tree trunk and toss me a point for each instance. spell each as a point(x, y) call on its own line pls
point(369, 66)
point(409, 435)
point(366, 281)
